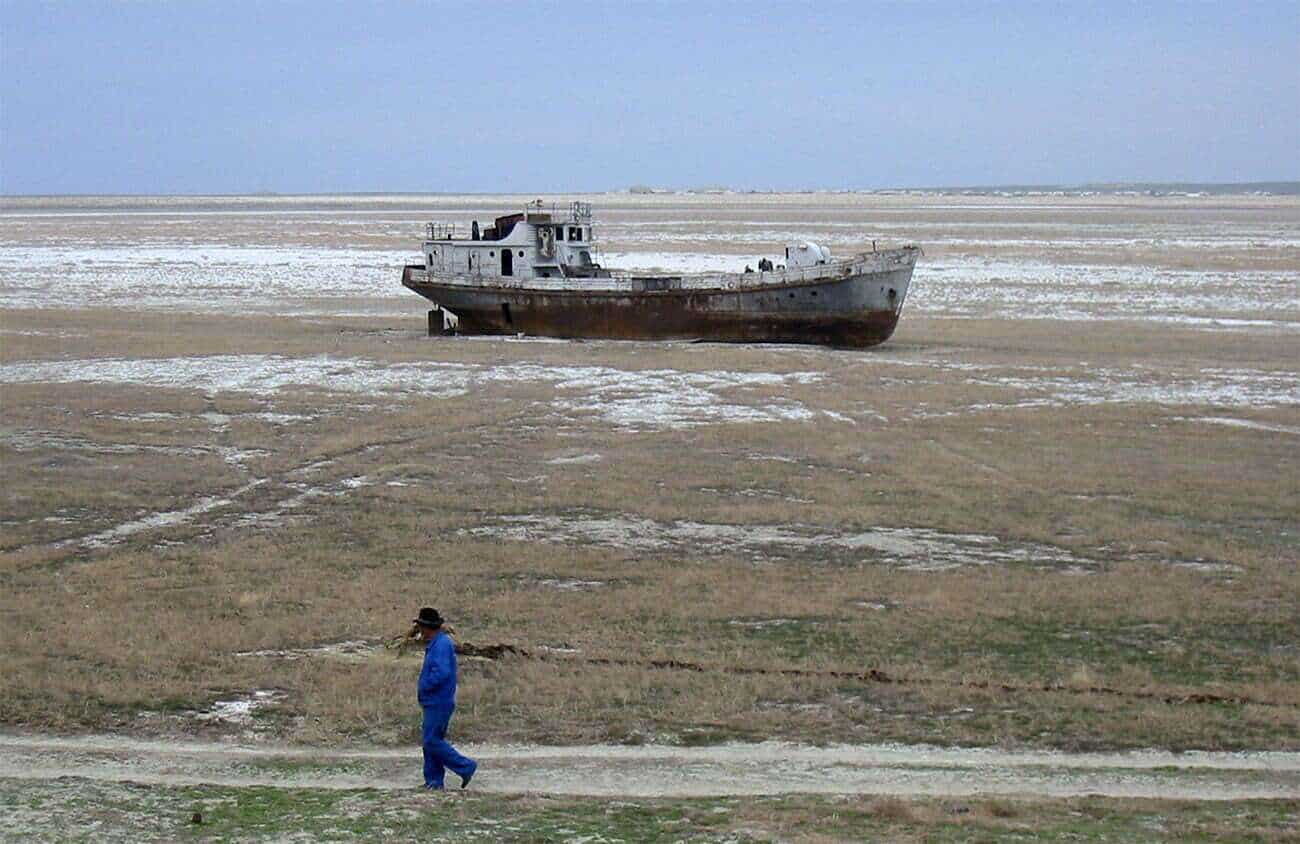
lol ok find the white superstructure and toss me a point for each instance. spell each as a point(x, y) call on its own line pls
point(537, 243)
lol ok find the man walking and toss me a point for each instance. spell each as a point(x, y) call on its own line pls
point(437, 693)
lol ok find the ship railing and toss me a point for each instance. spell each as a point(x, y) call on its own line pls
point(738, 280)
point(577, 212)
point(439, 231)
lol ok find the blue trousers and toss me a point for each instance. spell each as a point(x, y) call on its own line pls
point(438, 752)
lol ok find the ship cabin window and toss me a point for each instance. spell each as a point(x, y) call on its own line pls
point(575, 233)
point(559, 232)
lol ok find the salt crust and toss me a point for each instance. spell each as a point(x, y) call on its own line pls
point(626, 398)
point(919, 549)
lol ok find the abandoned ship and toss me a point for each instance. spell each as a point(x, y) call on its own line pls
point(534, 273)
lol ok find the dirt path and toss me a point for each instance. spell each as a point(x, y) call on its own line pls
point(726, 770)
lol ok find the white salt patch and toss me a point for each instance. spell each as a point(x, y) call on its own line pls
point(239, 456)
point(911, 548)
point(216, 420)
point(280, 513)
point(282, 418)
point(1243, 423)
point(155, 521)
point(581, 458)
point(758, 493)
point(570, 585)
point(775, 458)
point(194, 276)
point(1226, 323)
point(36, 440)
point(239, 710)
point(257, 374)
point(661, 398)
point(1207, 567)
point(313, 468)
point(803, 708)
point(1036, 289)
point(350, 648)
point(1090, 385)
point(150, 416)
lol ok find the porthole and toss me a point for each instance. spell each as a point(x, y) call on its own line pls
point(521, 253)
point(492, 254)
point(814, 293)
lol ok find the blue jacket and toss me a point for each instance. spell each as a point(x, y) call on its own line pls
point(437, 686)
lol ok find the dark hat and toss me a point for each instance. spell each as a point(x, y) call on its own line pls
point(428, 618)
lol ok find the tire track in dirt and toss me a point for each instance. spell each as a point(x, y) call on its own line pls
point(670, 772)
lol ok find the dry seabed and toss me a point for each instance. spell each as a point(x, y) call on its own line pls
point(667, 543)
point(916, 549)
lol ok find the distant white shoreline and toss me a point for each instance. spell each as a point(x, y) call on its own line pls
point(1189, 189)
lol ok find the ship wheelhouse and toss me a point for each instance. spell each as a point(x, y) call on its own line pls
point(540, 242)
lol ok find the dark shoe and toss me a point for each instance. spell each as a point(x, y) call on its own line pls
point(464, 782)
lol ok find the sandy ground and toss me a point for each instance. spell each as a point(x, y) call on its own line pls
point(643, 772)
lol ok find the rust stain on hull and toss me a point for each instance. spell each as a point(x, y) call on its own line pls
point(844, 310)
point(673, 320)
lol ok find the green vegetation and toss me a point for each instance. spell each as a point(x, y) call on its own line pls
point(77, 810)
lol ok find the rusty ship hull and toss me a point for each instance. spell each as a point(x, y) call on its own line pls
point(854, 302)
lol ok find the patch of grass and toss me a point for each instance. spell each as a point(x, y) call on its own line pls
point(80, 810)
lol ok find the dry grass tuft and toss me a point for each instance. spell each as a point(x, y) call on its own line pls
point(893, 810)
point(1000, 809)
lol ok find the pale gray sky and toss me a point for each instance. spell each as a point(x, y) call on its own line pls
point(552, 97)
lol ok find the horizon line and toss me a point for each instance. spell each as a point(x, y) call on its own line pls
point(1293, 185)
